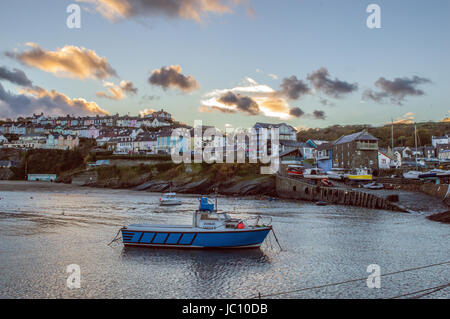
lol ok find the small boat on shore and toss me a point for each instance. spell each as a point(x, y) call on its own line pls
point(209, 229)
point(360, 174)
point(169, 199)
point(321, 203)
point(314, 173)
point(295, 170)
point(373, 186)
point(336, 174)
point(412, 175)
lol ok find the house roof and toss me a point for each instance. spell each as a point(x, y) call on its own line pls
point(324, 146)
point(363, 135)
point(291, 143)
point(270, 125)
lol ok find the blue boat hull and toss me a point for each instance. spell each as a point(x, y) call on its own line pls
point(251, 238)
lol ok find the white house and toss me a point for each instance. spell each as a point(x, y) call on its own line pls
point(145, 143)
point(3, 139)
point(159, 123)
point(384, 161)
point(435, 140)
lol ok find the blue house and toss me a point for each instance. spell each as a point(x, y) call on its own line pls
point(324, 156)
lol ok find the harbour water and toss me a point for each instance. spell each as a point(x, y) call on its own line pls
point(46, 227)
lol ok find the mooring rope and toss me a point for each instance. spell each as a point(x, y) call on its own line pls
point(352, 280)
point(116, 237)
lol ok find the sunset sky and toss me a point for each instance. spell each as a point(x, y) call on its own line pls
point(308, 63)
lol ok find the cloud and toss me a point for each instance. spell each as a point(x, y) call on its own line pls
point(296, 111)
point(69, 61)
point(195, 10)
point(293, 88)
point(252, 98)
point(395, 91)
point(407, 118)
point(146, 112)
point(15, 76)
point(36, 100)
point(316, 115)
point(268, 102)
point(336, 88)
point(320, 115)
point(242, 103)
point(117, 92)
point(171, 77)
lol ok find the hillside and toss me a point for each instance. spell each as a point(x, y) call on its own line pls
point(403, 133)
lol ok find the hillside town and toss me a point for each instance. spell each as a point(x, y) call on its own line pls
point(152, 134)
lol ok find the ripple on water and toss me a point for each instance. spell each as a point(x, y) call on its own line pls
point(44, 231)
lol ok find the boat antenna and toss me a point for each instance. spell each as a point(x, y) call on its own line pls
point(216, 191)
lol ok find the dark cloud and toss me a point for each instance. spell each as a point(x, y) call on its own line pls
point(320, 115)
point(243, 103)
point(293, 88)
point(184, 9)
point(336, 88)
point(397, 90)
point(171, 77)
point(128, 87)
point(296, 111)
point(38, 100)
point(15, 76)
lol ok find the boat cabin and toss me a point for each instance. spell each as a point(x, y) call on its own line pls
point(169, 196)
point(214, 220)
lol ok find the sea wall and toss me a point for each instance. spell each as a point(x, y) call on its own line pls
point(291, 188)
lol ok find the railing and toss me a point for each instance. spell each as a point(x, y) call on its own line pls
point(366, 146)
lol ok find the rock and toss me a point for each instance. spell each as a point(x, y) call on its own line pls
point(441, 217)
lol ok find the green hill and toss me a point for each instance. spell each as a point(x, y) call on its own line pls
point(403, 133)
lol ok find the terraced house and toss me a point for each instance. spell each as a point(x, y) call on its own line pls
point(358, 150)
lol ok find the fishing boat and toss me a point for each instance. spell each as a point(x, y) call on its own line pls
point(169, 199)
point(209, 229)
point(314, 173)
point(336, 174)
point(360, 174)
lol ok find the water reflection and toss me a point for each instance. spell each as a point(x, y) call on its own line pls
point(44, 230)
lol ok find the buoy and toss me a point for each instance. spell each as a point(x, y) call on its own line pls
point(241, 225)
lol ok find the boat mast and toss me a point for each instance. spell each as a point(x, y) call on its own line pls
point(415, 142)
point(392, 134)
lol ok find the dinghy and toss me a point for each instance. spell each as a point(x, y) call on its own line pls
point(169, 199)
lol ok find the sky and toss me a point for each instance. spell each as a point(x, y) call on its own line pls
point(307, 63)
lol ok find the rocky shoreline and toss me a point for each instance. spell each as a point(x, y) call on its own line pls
point(441, 217)
point(263, 186)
